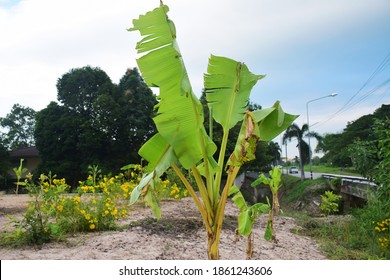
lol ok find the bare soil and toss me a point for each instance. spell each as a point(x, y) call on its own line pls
point(179, 234)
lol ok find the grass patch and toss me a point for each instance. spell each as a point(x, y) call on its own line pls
point(357, 236)
point(296, 189)
point(332, 170)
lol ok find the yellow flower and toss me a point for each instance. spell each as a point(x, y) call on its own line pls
point(177, 196)
point(92, 226)
point(60, 208)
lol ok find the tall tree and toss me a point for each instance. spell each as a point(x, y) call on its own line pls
point(80, 87)
point(335, 146)
point(275, 150)
point(371, 157)
point(137, 103)
point(4, 164)
point(101, 124)
point(57, 137)
point(295, 132)
point(19, 126)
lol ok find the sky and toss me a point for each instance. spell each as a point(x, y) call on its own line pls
point(308, 49)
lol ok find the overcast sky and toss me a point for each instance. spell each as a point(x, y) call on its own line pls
point(308, 49)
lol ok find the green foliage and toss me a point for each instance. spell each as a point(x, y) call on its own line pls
point(362, 234)
point(19, 127)
point(182, 138)
point(98, 123)
point(330, 203)
point(333, 170)
point(248, 214)
point(300, 189)
point(364, 157)
point(4, 163)
point(94, 171)
point(335, 146)
point(371, 158)
point(382, 231)
point(19, 173)
point(100, 202)
point(264, 153)
point(274, 182)
point(336, 184)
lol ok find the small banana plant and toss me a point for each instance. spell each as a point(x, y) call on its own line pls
point(181, 140)
point(275, 183)
point(19, 173)
point(247, 217)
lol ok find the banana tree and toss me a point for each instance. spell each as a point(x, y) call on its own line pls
point(275, 183)
point(181, 139)
point(19, 173)
point(247, 217)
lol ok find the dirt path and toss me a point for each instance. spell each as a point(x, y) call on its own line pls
point(178, 235)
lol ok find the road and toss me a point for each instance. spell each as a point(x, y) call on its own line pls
point(307, 174)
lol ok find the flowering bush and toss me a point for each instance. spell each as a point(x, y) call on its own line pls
point(382, 232)
point(97, 205)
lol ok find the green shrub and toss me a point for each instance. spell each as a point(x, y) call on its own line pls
point(330, 203)
point(98, 204)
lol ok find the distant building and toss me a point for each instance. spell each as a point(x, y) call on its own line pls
point(31, 159)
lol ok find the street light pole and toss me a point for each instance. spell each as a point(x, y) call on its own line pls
point(308, 127)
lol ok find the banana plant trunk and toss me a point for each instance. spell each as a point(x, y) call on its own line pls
point(212, 246)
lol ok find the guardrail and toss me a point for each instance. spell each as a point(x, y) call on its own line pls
point(353, 185)
point(348, 178)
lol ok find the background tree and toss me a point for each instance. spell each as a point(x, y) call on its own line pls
point(4, 163)
point(57, 136)
point(295, 132)
point(19, 127)
point(275, 150)
point(98, 123)
point(137, 103)
point(335, 146)
point(371, 158)
point(80, 87)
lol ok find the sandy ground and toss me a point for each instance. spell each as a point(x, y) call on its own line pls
point(178, 235)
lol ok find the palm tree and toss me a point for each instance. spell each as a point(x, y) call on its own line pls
point(294, 131)
point(274, 149)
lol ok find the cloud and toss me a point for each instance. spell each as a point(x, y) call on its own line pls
point(43, 39)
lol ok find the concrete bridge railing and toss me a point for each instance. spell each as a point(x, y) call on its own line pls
point(352, 185)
